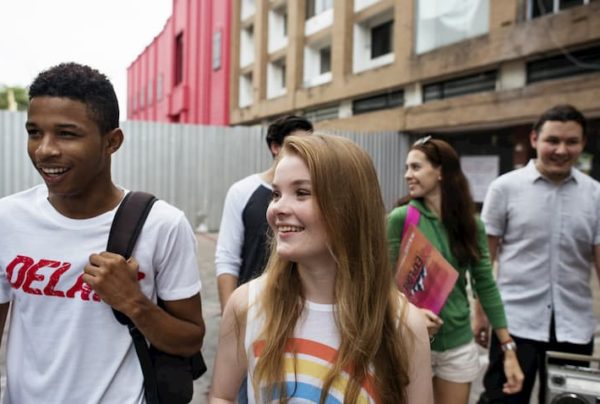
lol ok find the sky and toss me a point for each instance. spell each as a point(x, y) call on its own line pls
point(105, 34)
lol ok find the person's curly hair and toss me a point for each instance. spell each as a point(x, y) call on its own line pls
point(84, 84)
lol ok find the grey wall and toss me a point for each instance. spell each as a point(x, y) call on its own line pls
point(192, 166)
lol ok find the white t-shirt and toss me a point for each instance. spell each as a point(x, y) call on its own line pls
point(242, 246)
point(64, 344)
point(309, 356)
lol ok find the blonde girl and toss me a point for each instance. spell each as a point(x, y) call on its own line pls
point(325, 322)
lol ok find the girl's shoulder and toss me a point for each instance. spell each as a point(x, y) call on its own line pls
point(239, 298)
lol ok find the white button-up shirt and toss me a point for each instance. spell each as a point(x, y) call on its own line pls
point(548, 234)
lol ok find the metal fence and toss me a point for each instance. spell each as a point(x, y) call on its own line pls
point(192, 166)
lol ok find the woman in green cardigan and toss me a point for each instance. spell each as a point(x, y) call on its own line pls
point(439, 191)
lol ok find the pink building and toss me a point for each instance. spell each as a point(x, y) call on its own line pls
point(183, 75)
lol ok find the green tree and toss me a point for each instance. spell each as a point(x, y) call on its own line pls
point(18, 95)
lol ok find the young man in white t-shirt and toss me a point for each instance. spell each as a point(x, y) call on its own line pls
point(60, 285)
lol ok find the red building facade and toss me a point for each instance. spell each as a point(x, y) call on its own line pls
point(183, 75)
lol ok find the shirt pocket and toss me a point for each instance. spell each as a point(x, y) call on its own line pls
point(580, 225)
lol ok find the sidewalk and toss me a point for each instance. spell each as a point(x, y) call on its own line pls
point(211, 310)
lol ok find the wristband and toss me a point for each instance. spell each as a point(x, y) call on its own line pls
point(509, 346)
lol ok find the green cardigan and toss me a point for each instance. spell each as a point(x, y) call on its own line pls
point(456, 330)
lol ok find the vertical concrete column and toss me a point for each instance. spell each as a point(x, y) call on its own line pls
point(504, 12)
point(295, 53)
point(261, 22)
point(405, 12)
point(234, 49)
point(341, 41)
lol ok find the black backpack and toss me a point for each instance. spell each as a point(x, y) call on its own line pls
point(168, 379)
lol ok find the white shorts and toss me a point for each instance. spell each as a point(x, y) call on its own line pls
point(457, 365)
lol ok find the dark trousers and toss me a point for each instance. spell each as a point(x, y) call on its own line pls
point(532, 359)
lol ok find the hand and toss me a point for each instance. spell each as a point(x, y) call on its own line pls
point(481, 328)
point(513, 373)
point(481, 332)
point(114, 279)
point(432, 321)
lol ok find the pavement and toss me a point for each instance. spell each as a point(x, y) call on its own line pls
point(211, 309)
point(212, 317)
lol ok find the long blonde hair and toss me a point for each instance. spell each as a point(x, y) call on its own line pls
point(368, 315)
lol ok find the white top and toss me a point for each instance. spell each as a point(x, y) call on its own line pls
point(64, 344)
point(316, 340)
point(548, 234)
point(229, 254)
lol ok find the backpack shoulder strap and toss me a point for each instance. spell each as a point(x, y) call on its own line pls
point(412, 217)
point(128, 222)
point(126, 227)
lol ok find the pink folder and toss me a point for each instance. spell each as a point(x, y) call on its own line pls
point(423, 274)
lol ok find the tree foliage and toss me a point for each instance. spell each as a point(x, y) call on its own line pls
point(19, 94)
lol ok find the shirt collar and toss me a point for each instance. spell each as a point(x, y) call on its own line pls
point(534, 175)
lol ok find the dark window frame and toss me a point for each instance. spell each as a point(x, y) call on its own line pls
point(570, 63)
point(384, 45)
point(325, 54)
point(179, 50)
point(535, 11)
point(456, 87)
point(377, 102)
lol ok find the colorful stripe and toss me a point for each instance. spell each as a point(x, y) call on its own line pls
point(304, 391)
point(309, 363)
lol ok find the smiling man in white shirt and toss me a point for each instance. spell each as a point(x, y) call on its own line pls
point(543, 224)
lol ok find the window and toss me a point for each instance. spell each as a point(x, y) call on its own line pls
point(570, 63)
point(485, 81)
point(382, 40)
point(373, 44)
point(377, 102)
point(247, 46)
point(325, 60)
point(179, 58)
point(537, 8)
point(323, 113)
point(248, 9)
point(276, 78)
point(319, 15)
point(541, 7)
point(317, 63)
point(283, 75)
point(216, 50)
point(245, 93)
point(440, 23)
point(315, 7)
point(278, 28)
